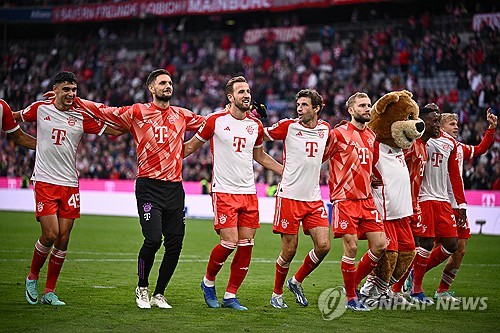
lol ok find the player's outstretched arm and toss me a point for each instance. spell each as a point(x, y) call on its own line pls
point(191, 146)
point(115, 131)
point(267, 161)
point(23, 139)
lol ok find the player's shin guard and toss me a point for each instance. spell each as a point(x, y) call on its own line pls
point(55, 264)
point(282, 268)
point(367, 263)
point(447, 279)
point(349, 274)
point(311, 261)
point(419, 269)
point(217, 258)
point(438, 255)
point(239, 265)
point(39, 257)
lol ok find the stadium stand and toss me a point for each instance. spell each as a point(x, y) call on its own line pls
point(435, 54)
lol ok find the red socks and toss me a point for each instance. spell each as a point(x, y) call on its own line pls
point(39, 256)
point(438, 255)
point(367, 263)
point(55, 264)
point(218, 256)
point(349, 274)
point(446, 280)
point(419, 269)
point(239, 265)
point(282, 268)
point(311, 261)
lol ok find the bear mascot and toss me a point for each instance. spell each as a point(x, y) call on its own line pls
point(394, 119)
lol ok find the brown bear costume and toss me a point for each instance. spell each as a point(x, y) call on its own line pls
point(394, 119)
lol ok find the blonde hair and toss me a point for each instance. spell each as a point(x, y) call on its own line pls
point(446, 117)
point(352, 99)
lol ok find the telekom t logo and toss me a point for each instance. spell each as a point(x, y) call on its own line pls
point(363, 155)
point(311, 148)
point(437, 159)
point(161, 133)
point(58, 136)
point(239, 143)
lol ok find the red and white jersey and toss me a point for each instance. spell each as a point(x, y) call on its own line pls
point(58, 134)
point(232, 142)
point(416, 158)
point(351, 159)
point(393, 198)
point(467, 152)
point(441, 162)
point(7, 122)
point(158, 135)
point(302, 157)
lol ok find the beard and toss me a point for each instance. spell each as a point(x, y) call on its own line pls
point(242, 107)
point(361, 119)
point(163, 98)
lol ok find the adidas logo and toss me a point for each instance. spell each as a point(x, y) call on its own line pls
point(299, 133)
point(227, 128)
point(47, 118)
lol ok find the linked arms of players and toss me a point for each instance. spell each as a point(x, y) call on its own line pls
point(20, 137)
point(267, 161)
point(191, 146)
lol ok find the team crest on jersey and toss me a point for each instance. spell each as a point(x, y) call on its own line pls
point(71, 121)
point(446, 147)
point(39, 206)
point(284, 223)
point(250, 130)
point(343, 224)
point(370, 142)
point(222, 218)
point(147, 207)
point(321, 134)
point(387, 241)
point(172, 118)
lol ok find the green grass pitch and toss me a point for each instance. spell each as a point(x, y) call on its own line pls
point(99, 277)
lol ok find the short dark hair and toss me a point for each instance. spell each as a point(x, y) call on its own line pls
point(426, 110)
point(433, 106)
point(231, 82)
point(62, 77)
point(154, 74)
point(316, 99)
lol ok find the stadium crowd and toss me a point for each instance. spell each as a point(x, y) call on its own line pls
point(111, 63)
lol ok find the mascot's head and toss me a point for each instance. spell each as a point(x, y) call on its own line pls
point(394, 119)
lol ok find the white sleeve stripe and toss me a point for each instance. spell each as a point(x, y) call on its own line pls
point(200, 138)
point(472, 153)
point(101, 132)
point(13, 129)
point(268, 135)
